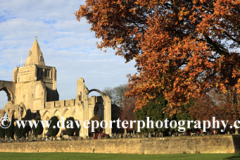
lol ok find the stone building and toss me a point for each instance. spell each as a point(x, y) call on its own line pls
point(33, 92)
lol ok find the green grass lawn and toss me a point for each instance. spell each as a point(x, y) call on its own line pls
point(99, 156)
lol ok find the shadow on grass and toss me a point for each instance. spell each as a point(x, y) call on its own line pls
point(232, 158)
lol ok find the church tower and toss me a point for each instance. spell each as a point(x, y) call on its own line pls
point(36, 83)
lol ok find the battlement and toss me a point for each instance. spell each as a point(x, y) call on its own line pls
point(62, 103)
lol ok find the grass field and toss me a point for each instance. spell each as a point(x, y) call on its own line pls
point(98, 156)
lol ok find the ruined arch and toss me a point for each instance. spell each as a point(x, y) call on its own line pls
point(66, 113)
point(57, 113)
point(8, 92)
point(96, 90)
point(98, 109)
point(13, 115)
point(4, 99)
point(22, 111)
point(46, 115)
point(73, 113)
point(8, 87)
point(107, 110)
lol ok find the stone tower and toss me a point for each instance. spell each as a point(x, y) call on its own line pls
point(35, 82)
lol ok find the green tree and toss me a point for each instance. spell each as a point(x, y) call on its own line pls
point(153, 110)
point(19, 131)
point(10, 130)
point(2, 132)
point(39, 129)
point(53, 129)
point(70, 126)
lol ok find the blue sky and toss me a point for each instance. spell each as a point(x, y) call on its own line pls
point(67, 44)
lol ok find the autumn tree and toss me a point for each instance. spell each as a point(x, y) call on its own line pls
point(183, 47)
point(218, 104)
point(230, 95)
point(127, 111)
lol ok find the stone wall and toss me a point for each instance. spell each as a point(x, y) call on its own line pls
point(159, 145)
point(62, 103)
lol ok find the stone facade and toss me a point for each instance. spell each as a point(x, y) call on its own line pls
point(158, 145)
point(33, 92)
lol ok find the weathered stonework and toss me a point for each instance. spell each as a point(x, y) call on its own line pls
point(163, 145)
point(33, 92)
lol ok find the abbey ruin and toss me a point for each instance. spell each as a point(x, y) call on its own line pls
point(33, 92)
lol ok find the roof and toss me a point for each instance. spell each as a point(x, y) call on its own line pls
point(35, 55)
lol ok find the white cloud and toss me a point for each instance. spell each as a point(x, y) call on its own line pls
point(67, 44)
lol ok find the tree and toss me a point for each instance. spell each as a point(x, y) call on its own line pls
point(53, 129)
point(184, 47)
point(153, 110)
point(39, 129)
point(184, 114)
point(126, 104)
point(19, 131)
point(127, 110)
point(110, 93)
point(70, 126)
point(117, 94)
point(10, 130)
point(96, 129)
point(222, 106)
point(2, 132)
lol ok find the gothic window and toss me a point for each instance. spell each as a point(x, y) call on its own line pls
point(46, 72)
point(40, 72)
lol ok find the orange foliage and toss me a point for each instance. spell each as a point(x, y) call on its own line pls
point(182, 47)
point(127, 111)
point(205, 108)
